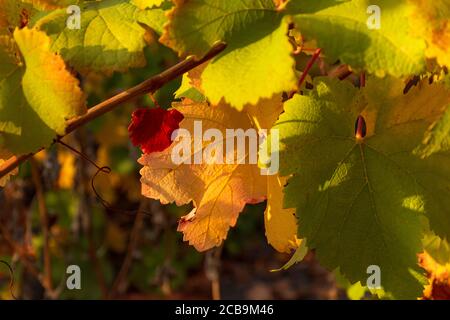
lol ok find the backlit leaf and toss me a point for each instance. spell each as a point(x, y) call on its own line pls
point(219, 191)
point(341, 29)
point(362, 201)
point(257, 62)
point(110, 38)
point(37, 93)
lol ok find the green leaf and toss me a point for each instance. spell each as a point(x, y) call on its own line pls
point(110, 38)
point(340, 29)
point(297, 257)
point(186, 90)
point(362, 202)
point(437, 248)
point(37, 94)
point(354, 291)
point(437, 136)
point(51, 4)
point(154, 18)
point(257, 62)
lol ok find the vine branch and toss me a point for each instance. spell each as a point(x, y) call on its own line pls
point(148, 86)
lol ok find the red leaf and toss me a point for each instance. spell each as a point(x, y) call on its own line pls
point(151, 129)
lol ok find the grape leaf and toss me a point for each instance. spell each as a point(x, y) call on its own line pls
point(110, 39)
point(151, 129)
point(420, 109)
point(437, 137)
point(362, 201)
point(144, 4)
point(281, 224)
point(191, 85)
point(257, 62)
point(187, 90)
point(219, 191)
point(354, 291)
point(340, 29)
point(266, 112)
point(431, 21)
point(37, 94)
point(154, 18)
point(298, 256)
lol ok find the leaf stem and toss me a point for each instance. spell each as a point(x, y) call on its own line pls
point(307, 68)
point(362, 79)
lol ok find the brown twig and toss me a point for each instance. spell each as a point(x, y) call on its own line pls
point(127, 261)
point(43, 215)
point(148, 86)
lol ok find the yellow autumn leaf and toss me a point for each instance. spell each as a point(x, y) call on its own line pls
point(219, 191)
point(263, 114)
point(281, 224)
point(34, 46)
point(144, 4)
point(38, 93)
point(266, 112)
